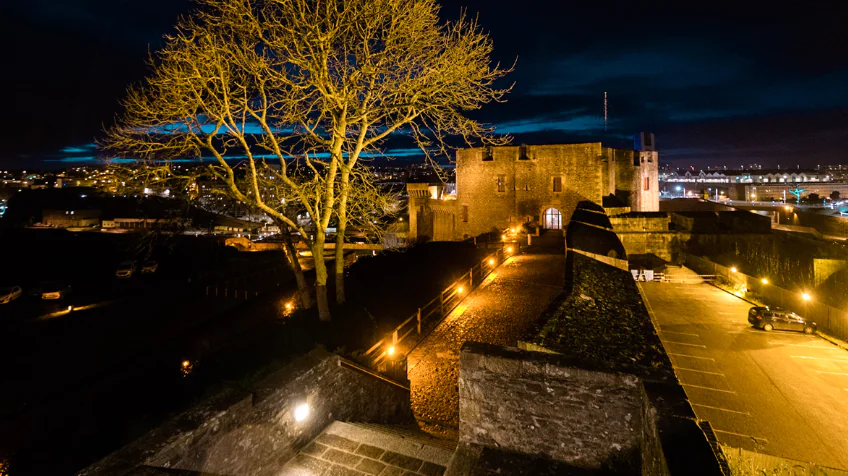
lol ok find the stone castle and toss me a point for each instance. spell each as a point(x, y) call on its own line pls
point(499, 187)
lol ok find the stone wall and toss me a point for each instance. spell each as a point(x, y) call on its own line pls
point(579, 413)
point(641, 222)
point(668, 245)
point(824, 268)
point(255, 432)
point(547, 404)
point(528, 188)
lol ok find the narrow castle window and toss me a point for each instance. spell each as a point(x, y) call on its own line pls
point(465, 213)
point(647, 183)
point(557, 184)
point(522, 152)
point(501, 183)
point(487, 154)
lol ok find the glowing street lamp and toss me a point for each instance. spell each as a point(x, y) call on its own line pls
point(492, 261)
point(459, 290)
point(503, 237)
point(806, 296)
point(509, 249)
point(733, 269)
point(391, 350)
point(764, 281)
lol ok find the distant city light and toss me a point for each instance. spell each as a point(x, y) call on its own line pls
point(186, 363)
point(301, 412)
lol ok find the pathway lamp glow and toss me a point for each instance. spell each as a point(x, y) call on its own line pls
point(492, 261)
point(764, 281)
point(509, 249)
point(733, 269)
point(391, 350)
point(459, 290)
point(503, 237)
point(805, 296)
point(70, 308)
point(301, 412)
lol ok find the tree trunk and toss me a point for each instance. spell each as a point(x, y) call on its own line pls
point(341, 213)
point(340, 289)
point(321, 278)
point(294, 265)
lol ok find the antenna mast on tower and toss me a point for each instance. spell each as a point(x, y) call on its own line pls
point(605, 111)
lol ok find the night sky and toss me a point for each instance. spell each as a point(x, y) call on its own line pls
point(718, 84)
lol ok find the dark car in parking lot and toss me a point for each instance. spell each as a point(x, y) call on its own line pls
point(771, 318)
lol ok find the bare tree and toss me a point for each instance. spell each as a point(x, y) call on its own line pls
point(311, 85)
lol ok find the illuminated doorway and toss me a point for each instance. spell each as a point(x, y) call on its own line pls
point(553, 219)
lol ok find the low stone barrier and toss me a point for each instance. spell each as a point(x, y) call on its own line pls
point(579, 412)
point(239, 432)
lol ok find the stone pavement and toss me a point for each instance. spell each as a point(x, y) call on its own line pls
point(497, 312)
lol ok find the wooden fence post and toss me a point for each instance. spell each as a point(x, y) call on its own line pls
point(419, 321)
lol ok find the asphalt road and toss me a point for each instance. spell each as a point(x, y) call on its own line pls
point(780, 393)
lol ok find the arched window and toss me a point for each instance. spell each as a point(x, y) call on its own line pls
point(553, 219)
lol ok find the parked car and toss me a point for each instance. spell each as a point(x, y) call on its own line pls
point(126, 269)
point(9, 294)
point(768, 319)
point(55, 290)
point(149, 267)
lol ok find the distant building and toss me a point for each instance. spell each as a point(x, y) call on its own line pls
point(502, 186)
point(71, 218)
point(142, 223)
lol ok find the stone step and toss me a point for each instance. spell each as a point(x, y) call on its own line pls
point(412, 434)
point(358, 449)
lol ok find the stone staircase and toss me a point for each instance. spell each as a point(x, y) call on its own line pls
point(357, 449)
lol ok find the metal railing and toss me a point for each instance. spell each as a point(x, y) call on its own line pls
point(406, 336)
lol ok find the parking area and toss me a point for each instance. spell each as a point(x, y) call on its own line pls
point(781, 393)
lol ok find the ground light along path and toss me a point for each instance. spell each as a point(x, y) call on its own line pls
point(497, 312)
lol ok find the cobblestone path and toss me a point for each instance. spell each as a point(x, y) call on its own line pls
point(497, 312)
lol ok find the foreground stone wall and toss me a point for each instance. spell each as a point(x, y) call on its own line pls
point(545, 404)
point(255, 433)
point(577, 412)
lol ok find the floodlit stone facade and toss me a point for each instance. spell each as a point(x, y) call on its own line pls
point(499, 187)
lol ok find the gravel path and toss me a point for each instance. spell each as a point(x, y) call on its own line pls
point(497, 312)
